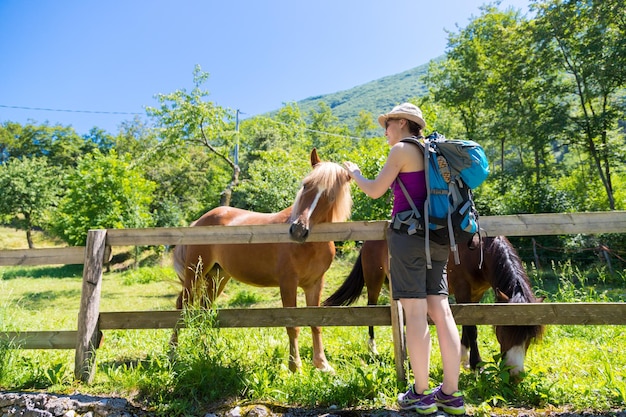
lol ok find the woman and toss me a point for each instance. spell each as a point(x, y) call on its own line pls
point(422, 292)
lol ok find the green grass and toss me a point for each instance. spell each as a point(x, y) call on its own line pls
point(572, 368)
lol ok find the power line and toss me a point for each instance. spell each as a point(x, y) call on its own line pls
point(319, 131)
point(132, 113)
point(67, 110)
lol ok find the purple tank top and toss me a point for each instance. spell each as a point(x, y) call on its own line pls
point(415, 184)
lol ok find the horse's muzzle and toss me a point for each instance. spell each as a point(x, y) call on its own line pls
point(298, 232)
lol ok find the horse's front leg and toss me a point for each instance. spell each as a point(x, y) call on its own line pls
point(295, 363)
point(470, 356)
point(288, 294)
point(313, 296)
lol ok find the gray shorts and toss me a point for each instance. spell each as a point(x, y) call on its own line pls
point(409, 276)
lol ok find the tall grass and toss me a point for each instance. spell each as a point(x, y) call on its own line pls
point(572, 368)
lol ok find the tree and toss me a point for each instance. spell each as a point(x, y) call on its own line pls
point(273, 180)
point(188, 118)
point(327, 135)
point(30, 188)
point(61, 146)
point(364, 124)
point(491, 75)
point(104, 191)
point(590, 39)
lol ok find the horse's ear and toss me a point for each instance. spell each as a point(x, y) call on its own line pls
point(315, 159)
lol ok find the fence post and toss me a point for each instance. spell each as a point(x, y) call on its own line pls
point(89, 335)
point(397, 332)
point(399, 344)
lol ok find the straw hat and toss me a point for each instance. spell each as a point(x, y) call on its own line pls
point(404, 111)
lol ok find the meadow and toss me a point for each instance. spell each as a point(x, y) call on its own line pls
point(572, 369)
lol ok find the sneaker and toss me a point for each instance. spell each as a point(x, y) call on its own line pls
point(451, 404)
point(422, 403)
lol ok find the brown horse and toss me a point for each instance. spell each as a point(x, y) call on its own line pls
point(501, 269)
point(323, 197)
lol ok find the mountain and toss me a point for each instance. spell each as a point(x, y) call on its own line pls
point(376, 97)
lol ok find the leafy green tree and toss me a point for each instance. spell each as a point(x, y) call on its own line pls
point(187, 185)
point(286, 129)
point(186, 117)
point(179, 170)
point(589, 38)
point(370, 154)
point(104, 191)
point(30, 188)
point(327, 134)
point(60, 145)
point(365, 124)
point(502, 95)
point(274, 177)
point(99, 139)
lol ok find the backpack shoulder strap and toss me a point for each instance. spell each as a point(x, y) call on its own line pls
point(414, 140)
point(425, 148)
point(408, 198)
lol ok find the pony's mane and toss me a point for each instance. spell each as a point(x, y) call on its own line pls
point(334, 179)
point(507, 266)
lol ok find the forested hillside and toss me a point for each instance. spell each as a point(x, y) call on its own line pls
point(373, 97)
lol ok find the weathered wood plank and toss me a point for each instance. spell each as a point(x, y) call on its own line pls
point(555, 223)
point(43, 256)
point(160, 319)
point(58, 339)
point(465, 314)
point(480, 314)
point(244, 234)
point(88, 338)
point(255, 317)
point(541, 313)
point(511, 225)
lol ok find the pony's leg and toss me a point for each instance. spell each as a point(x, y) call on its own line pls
point(198, 287)
point(313, 296)
point(288, 294)
point(459, 281)
point(374, 265)
point(470, 356)
point(374, 282)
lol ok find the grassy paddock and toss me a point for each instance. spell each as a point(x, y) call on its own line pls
point(573, 368)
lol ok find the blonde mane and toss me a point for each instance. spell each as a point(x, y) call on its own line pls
point(335, 181)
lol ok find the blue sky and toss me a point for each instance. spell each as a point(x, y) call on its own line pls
point(116, 55)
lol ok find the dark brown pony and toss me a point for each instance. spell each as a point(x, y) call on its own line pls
point(502, 270)
point(323, 197)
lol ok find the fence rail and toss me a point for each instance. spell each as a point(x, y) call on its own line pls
point(91, 321)
point(464, 314)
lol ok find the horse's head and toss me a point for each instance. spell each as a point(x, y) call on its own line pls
point(515, 340)
point(323, 197)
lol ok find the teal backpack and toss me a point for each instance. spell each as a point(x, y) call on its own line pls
point(453, 168)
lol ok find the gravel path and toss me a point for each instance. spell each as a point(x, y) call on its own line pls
point(80, 405)
point(74, 405)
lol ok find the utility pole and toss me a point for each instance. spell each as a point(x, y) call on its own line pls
point(237, 139)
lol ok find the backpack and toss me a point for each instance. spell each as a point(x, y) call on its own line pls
point(453, 168)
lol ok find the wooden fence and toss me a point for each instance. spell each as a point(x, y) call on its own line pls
point(96, 253)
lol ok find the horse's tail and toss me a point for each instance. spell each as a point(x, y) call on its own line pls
point(180, 254)
point(351, 288)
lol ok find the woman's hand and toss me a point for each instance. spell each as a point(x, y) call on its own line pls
point(353, 169)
